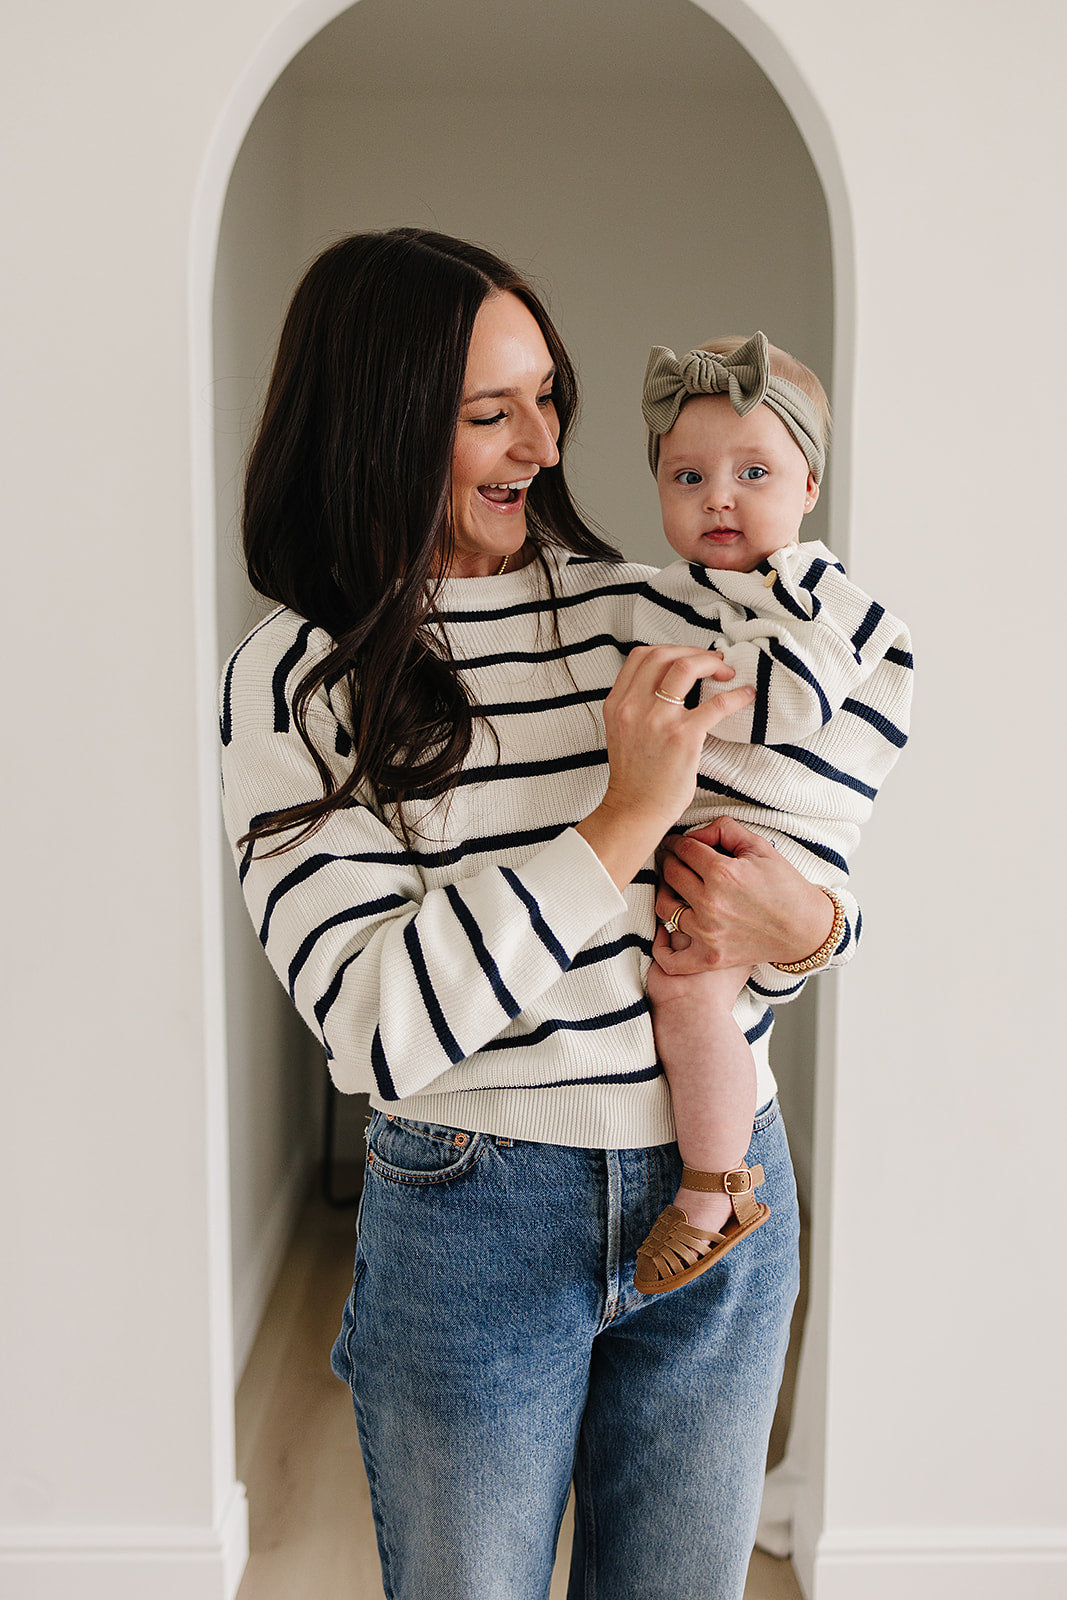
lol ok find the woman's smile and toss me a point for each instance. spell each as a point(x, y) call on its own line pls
point(506, 434)
point(506, 496)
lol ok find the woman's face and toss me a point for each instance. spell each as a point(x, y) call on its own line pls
point(507, 432)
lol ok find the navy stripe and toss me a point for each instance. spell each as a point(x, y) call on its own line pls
point(900, 658)
point(246, 859)
point(581, 647)
point(874, 616)
point(470, 927)
point(762, 705)
point(723, 790)
point(370, 908)
point(785, 657)
point(784, 598)
point(700, 574)
point(817, 571)
point(822, 852)
point(562, 602)
point(606, 952)
point(758, 1029)
point(887, 729)
point(537, 921)
point(301, 874)
point(445, 1038)
point(511, 708)
point(776, 994)
point(491, 844)
point(814, 763)
point(687, 613)
point(607, 1019)
point(639, 1075)
point(226, 718)
point(523, 769)
point(325, 1001)
point(859, 928)
point(288, 661)
point(382, 1076)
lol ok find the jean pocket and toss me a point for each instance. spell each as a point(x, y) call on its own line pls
point(765, 1115)
point(402, 1151)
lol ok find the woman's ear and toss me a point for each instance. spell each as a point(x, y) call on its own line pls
point(811, 494)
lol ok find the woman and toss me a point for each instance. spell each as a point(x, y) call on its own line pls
point(448, 871)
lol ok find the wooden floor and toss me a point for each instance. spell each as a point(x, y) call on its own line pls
point(312, 1534)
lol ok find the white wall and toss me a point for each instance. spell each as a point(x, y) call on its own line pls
point(342, 143)
point(573, 169)
point(274, 1068)
point(940, 1469)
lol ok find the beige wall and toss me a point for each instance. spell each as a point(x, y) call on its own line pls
point(939, 133)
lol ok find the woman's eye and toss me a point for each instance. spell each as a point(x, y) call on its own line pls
point(487, 422)
point(548, 399)
point(689, 477)
point(754, 474)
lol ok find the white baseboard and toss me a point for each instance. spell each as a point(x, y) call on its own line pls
point(941, 1564)
point(134, 1563)
point(252, 1286)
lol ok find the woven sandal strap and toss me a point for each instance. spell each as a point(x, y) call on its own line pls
point(738, 1183)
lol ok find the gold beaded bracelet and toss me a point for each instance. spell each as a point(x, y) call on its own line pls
point(821, 956)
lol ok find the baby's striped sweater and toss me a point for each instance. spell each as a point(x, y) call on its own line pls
point(490, 977)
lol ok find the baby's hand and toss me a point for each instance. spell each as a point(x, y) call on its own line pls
point(722, 987)
point(662, 989)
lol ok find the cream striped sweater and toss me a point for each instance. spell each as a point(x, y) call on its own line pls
point(492, 977)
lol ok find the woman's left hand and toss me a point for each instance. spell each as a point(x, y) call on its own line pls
point(746, 906)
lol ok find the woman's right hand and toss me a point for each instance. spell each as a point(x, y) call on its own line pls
point(654, 746)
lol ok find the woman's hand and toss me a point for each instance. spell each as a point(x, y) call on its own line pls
point(654, 745)
point(746, 906)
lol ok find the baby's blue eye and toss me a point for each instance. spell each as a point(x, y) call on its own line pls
point(689, 477)
point(754, 474)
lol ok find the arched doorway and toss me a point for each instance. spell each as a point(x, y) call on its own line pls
point(637, 161)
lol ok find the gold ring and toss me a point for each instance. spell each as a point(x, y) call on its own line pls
point(671, 925)
point(671, 699)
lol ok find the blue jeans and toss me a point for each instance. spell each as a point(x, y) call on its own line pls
point(495, 1348)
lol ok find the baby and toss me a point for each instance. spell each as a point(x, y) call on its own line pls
point(737, 439)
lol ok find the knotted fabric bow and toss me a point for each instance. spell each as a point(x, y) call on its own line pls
point(745, 376)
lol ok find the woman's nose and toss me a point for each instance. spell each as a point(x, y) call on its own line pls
point(538, 440)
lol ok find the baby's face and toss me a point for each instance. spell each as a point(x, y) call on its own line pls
point(732, 489)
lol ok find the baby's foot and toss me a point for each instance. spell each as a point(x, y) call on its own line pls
point(709, 1212)
point(690, 1236)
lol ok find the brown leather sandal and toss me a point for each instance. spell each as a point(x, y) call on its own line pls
point(675, 1252)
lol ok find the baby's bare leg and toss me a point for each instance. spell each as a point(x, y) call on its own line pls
point(712, 1077)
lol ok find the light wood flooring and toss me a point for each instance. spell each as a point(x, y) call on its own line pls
point(312, 1534)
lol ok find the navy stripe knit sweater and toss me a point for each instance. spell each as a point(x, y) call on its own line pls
point(491, 977)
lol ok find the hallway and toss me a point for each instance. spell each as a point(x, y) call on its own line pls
point(312, 1533)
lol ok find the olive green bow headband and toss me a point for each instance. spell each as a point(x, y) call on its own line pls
point(745, 377)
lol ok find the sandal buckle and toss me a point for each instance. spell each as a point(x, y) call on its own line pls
point(744, 1181)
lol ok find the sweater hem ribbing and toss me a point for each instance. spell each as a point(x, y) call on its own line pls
point(593, 1116)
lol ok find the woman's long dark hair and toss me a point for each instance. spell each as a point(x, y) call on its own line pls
point(348, 498)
